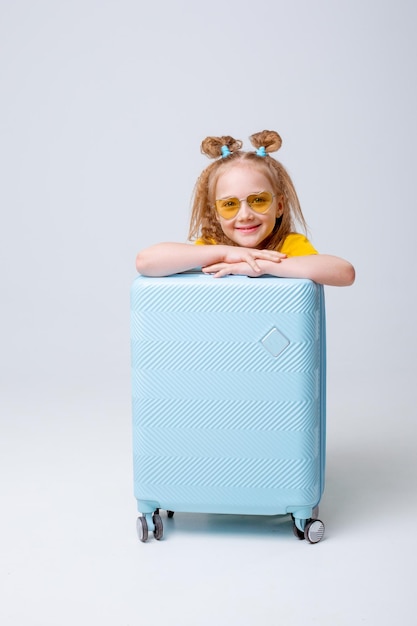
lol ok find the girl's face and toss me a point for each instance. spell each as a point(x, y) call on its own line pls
point(247, 229)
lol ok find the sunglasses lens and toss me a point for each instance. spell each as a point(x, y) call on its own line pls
point(260, 202)
point(228, 207)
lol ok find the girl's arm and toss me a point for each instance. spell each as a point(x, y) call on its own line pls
point(322, 268)
point(164, 259)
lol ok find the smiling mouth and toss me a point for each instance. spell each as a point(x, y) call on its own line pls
point(247, 229)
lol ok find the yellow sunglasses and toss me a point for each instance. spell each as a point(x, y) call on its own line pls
point(260, 202)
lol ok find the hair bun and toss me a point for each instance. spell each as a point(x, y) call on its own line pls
point(212, 146)
point(269, 139)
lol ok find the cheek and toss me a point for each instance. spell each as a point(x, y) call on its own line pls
point(269, 225)
point(225, 226)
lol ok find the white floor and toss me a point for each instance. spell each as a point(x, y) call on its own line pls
point(70, 555)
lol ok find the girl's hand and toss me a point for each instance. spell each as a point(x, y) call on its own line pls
point(241, 268)
point(233, 255)
point(218, 270)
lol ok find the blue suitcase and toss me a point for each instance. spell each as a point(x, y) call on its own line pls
point(228, 381)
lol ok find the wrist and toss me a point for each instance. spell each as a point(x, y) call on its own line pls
point(269, 267)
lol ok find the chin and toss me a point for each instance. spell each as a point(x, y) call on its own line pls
point(248, 242)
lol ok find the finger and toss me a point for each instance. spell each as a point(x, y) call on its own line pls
point(252, 263)
point(210, 269)
point(220, 274)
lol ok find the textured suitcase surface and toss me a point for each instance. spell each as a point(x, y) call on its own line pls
point(228, 379)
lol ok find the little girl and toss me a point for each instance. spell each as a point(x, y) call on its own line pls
point(243, 221)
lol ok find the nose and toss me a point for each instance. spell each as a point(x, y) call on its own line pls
point(244, 211)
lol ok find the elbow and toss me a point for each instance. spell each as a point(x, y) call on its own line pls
point(346, 275)
point(150, 262)
point(141, 263)
point(337, 273)
point(352, 275)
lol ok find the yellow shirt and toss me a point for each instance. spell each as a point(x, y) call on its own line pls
point(294, 245)
point(297, 245)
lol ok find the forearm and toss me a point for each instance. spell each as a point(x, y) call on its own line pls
point(322, 268)
point(164, 259)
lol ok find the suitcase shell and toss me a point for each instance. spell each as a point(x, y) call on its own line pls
point(229, 386)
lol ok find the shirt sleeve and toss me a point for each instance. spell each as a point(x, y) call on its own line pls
point(297, 245)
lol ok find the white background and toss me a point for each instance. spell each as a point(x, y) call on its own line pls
point(103, 107)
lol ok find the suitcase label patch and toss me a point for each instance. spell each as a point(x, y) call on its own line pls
point(275, 342)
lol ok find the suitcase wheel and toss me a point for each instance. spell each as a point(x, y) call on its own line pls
point(152, 524)
point(142, 528)
point(314, 530)
point(158, 532)
point(297, 532)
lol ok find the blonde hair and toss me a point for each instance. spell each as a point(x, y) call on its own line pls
point(204, 223)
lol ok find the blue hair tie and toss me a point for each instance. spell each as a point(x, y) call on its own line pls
point(225, 152)
point(261, 151)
